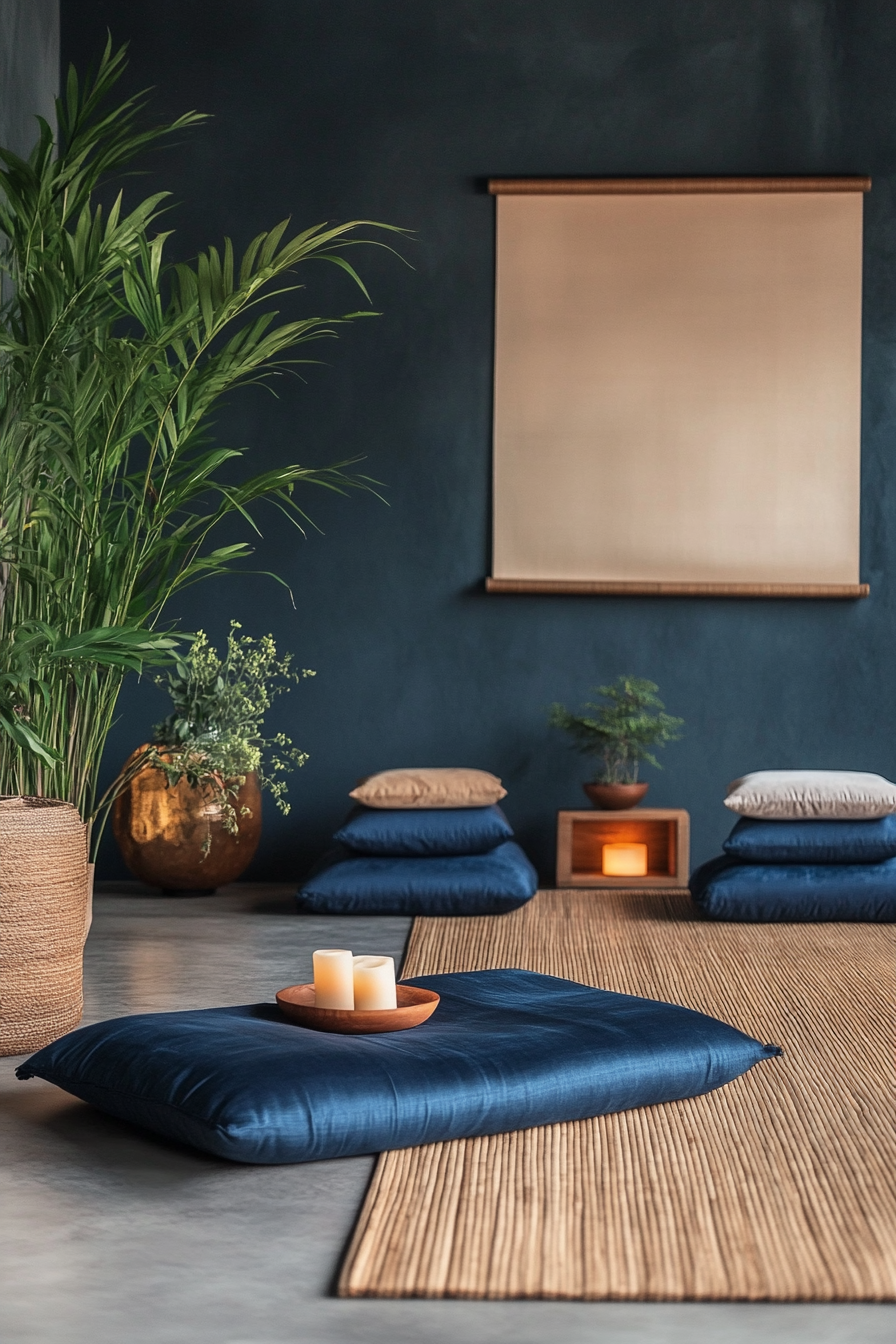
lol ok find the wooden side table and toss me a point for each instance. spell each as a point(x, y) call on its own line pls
point(581, 836)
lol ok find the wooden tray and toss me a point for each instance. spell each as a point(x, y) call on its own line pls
point(414, 1006)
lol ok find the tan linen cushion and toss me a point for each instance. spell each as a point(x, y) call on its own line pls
point(789, 795)
point(448, 786)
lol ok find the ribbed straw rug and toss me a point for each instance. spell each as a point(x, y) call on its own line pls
point(44, 915)
point(779, 1187)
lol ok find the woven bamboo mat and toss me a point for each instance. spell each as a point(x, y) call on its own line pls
point(779, 1187)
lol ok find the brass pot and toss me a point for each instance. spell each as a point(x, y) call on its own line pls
point(162, 829)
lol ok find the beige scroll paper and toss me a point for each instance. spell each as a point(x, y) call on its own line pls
point(677, 386)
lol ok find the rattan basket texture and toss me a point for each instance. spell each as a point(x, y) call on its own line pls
point(44, 913)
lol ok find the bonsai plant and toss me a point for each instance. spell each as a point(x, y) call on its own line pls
point(112, 362)
point(187, 815)
point(620, 733)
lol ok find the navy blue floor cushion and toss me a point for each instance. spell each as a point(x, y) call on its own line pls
point(794, 893)
point(758, 841)
point(424, 831)
point(504, 1050)
point(457, 884)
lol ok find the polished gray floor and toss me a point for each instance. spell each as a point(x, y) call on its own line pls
point(110, 1236)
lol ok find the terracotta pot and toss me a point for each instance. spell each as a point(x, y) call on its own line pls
point(615, 797)
point(161, 831)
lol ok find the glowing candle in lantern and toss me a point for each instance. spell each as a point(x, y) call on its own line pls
point(375, 983)
point(624, 860)
point(334, 978)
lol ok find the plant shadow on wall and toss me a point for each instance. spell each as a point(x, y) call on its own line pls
point(112, 362)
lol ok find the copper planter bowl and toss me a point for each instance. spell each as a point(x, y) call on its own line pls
point(161, 831)
point(615, 797)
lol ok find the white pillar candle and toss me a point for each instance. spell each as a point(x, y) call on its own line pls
point(375, 983)
point(333, 978)
point(625, 860)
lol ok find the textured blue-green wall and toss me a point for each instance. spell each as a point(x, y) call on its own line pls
point(398, 111)
point(29, 68)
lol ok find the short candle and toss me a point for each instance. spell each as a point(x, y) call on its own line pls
point(374, 983)
point(624, 860)
point(334, 978)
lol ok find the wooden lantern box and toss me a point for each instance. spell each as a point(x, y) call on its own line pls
point(581, 836)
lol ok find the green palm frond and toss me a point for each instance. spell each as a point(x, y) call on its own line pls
point(113, 362)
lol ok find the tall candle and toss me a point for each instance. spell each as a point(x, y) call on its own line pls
point(333, 978)
point(624, 860)
point(375, 983)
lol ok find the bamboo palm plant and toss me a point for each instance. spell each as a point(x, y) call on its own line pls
point(111, 363)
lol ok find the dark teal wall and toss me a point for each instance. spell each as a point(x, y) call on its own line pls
point(398, 110)
point(29, 68)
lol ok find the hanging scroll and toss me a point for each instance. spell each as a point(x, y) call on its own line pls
point(677, 386)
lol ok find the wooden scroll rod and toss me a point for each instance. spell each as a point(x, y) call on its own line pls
point(610, 588)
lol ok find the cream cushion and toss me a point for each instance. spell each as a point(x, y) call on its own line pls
point(448, 786)
point(790, 795)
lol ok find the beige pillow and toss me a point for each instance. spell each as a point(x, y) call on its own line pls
point(792, 795)
point(449, 786)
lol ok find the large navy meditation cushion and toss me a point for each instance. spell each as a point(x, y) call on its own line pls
point(796, 892)
point(504, 1050)
point(424, 831)
point(756, 841)
point(457, 884)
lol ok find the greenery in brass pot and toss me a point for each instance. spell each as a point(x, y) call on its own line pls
point(214, 738)
point(620, 731)
point(113, 364)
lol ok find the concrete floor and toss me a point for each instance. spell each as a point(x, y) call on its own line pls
point(111, 1236)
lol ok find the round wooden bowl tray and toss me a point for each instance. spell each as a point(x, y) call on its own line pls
point(414, 1006)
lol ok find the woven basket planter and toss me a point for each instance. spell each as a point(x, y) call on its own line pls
point(44, 917)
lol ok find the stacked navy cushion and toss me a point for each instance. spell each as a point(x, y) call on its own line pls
point(421, 861)
point(424, 832)
point(802, 870)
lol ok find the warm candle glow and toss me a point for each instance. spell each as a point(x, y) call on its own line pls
point(374, 983)
point(625, 860)
point(334, 978)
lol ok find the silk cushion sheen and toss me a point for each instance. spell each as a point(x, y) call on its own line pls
point(790, 795)
point(459, 884)
point(794, 893)
point(425, 831)
point(450, 786)
point(813, 841)
point(504, 1050)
